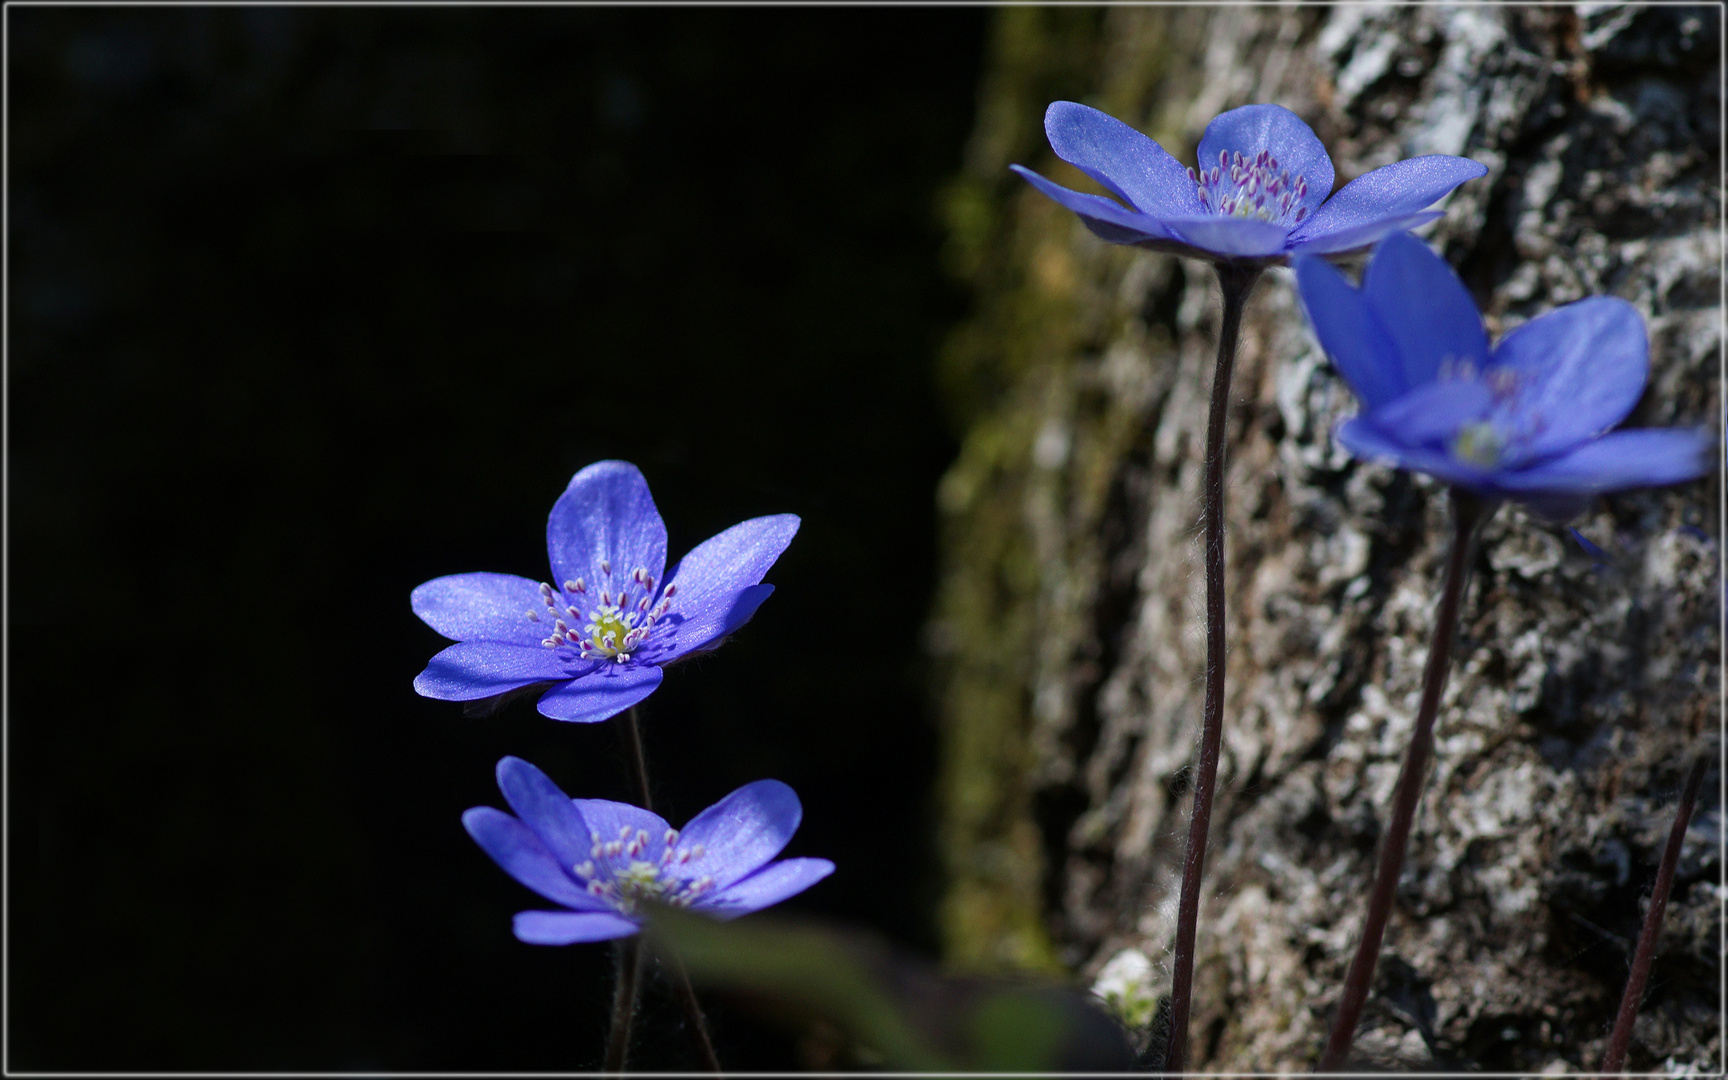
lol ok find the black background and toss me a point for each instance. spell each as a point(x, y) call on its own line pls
point(311, 305)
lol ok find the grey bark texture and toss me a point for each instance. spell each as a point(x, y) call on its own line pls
point(1069, 627)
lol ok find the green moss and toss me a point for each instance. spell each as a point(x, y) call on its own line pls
point(1027, 360)
point(1010, 250)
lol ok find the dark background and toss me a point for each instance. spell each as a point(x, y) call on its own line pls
point(311, 305)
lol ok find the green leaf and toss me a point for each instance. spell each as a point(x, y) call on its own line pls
point(1017, 1029)
point(896, 1008)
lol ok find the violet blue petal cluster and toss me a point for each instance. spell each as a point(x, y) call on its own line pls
point(605, 862)
point(610, 619)
point(1528, 419)
point(1258, 194)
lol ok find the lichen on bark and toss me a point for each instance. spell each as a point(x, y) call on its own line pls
point(1067, 627)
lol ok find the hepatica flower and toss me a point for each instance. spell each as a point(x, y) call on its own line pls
point(610, 618)
point(605, 862)
point(1528, 419)
point(1257, 194)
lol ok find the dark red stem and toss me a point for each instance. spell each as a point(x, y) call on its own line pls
point(632, 735)
point(1235, 282)
point(1634, 996)
point(693, 1015)
point(1468, 513)
point(623, 1004)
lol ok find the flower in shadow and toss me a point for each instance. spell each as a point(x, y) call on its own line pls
point(610, 619)
point(606, 863)
point(1259, 193)
point(1528, 419)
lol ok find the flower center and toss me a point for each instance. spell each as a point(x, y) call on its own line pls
point(613, 629)
point(1253, 187)
point(1491, 441)
point(1479, 444)
point(618, 873)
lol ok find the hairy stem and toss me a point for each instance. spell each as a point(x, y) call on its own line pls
point(629, 982)
point(632, 736)
point(623, 1004)
point(693, 1014)
point(1235, 282)
point(1618, 1043)
point(1468, 514)
point(631, 733)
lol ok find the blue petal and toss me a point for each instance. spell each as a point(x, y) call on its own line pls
point(545, 809)
point(1109, 220)
point(493, 607)
point(1132, 166)
point(1350, 332)
point(570, 927)
point(769, 885)
point(605, 514)
point(743, 608)
point(1434, 411)
point(716, 586)
point(1390, 191)
point(1581, 369)
point(1360, 236)
point(1365, 440)
point(470, 670)
point(610, 820)
point(514, 847)
point(1235, 237)
point(723, 564)
point(742, 831)
point(1648, 457)
point(605, 692)
point(1425, 309)
point(1253, 128)
point(707, 625)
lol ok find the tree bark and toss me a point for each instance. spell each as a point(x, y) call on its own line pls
point(1068, 625)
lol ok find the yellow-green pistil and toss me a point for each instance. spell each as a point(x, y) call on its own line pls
point(617, 627)
point(1479, 444)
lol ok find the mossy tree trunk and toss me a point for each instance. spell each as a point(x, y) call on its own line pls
point(1068, 627)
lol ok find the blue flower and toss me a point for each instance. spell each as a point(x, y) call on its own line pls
point(608, 622)
point(1258, 194)
point(1524, 420)
point(604, 861)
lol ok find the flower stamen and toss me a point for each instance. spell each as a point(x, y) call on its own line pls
point(1258, 187)
point(616, 628)
point(639, 881)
